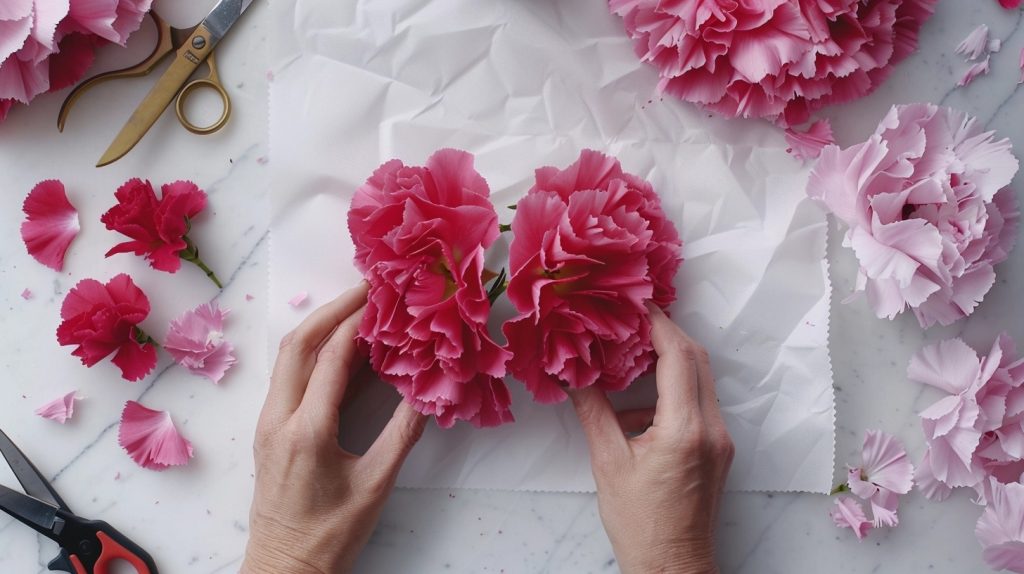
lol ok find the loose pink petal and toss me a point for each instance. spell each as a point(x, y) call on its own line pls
point(848, 513)
point(249, 297)
point(884, 467)
point(151, 439)
point(807, 145)
point(1000, 530)
point(196, 341)
point(1021, 80)
point(1010, 4)
point(50, 225)
point(26, 294)
point(978, 69)
point(975, 45)
point(60, 409)
point(298, 299)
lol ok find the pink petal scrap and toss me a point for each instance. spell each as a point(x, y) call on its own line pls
point(26, 294)
point(196, 341)
point(975, 45)
point(1010, 4)
point(848, 513)
point(978, 69)
point(51, 223)
point(60, 409)
point(1000, 530)
point(807, 145)
point(151, 439)
point(298, 299)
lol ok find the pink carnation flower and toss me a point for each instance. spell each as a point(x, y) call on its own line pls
point(592, 248)
point(977, 430)
point(196, 341)
point(772, 58)
point(1000, 530)
point(420, 234)
point(47, 45)
point(928, 210)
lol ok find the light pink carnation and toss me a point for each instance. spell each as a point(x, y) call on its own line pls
point(928, 210)
point(420, 235)
point(592, 247)
point(977, 430)
point(47, 45)
point(1000, 530)
point(772, 58)
point(884, 474)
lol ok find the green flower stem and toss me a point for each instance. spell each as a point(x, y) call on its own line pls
point(191, 254)
point(841, 487)
point(142, 338)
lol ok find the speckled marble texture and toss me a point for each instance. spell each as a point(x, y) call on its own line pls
point(195, 519)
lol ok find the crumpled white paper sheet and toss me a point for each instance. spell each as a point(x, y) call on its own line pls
point(522, 84)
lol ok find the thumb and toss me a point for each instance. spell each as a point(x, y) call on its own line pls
point(599, 421)
point(395, 442)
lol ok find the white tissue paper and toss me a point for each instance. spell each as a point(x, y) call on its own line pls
point(523, 84)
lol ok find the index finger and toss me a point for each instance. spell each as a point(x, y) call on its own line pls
point(297, 355)
point(676, 375)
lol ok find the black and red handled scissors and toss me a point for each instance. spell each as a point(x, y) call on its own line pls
point(86, 546)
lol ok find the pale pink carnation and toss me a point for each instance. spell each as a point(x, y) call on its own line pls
point(976, 431)
point(927, 210)
point(592, 248)
point(772, 58)
point(196, 341)
point(1000, 530)
point(420, 234)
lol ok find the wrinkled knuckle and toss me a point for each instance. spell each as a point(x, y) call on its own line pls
point(694, 442)
point(724, 448)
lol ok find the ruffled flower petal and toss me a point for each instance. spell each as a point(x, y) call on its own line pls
point(975, 45)
point(51, 224)
point(298, 299)
point(60, 409)
point(196, 341)
point(807, 145)
point(151, 439)
point(848, 513)
point(978, 69)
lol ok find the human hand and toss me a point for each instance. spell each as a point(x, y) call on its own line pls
point(315, 505)
point(658, 493)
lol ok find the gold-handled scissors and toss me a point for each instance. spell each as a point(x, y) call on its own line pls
point(191, 48)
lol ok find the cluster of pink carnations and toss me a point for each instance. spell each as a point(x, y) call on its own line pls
point(591, 249)
point(47, 45)
point(103, 320)
point(777, 59)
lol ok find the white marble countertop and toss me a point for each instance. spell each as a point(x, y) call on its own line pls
point(194, 519)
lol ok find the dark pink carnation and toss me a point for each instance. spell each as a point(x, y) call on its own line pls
point(420, 234)
point(592, 247)
point(777, 59)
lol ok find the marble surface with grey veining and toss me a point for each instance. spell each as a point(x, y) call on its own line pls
point(194, 519)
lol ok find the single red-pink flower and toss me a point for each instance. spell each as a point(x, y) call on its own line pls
point(592, 248)
point(103, 320)
point(420, 234)
point(51, 223)
point(158, 227)
point(151, 439)
point(777, 59)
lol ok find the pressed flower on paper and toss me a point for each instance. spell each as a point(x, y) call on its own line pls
point(158, 227)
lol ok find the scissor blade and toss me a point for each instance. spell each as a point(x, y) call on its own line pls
point(32, 512)
point(149, 110)
point(223, 16)
point(27, 474)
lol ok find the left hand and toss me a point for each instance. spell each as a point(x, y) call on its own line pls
point(315, 504)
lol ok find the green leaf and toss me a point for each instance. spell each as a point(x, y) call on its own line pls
point(498, 287)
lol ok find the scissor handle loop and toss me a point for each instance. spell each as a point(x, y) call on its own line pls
point(188, 90)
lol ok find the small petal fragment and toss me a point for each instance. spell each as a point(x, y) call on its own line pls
point(196, 342)
point(50, 225)
point(151, 439)
point(26, 294)
point(975, 45)
point(807, 145)
point(979, 69)
point(60, 409)
point(848, 513)
point(298, 299)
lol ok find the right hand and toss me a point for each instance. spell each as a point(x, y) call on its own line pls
point(658, 493)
